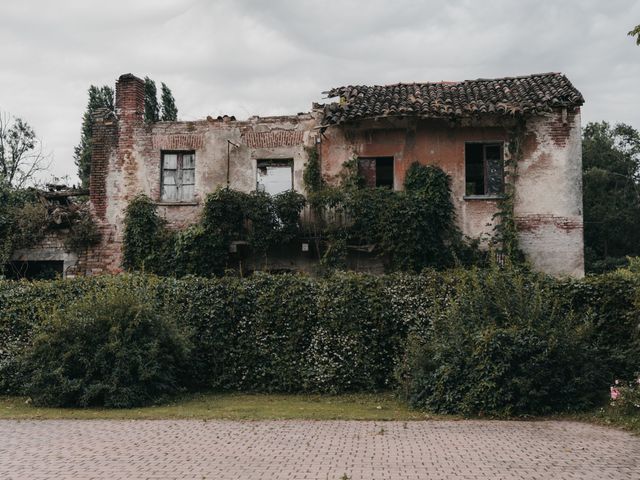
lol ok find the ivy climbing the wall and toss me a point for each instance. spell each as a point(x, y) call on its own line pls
point(259, 220)
point(410, 229)
point(506, 233)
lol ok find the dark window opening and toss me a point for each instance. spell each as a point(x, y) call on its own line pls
point(34, 270)
point(484, 169)
point(274, 176)
point(376, 172)
point(178, 176)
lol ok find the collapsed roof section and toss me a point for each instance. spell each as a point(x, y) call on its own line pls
point(526, 95)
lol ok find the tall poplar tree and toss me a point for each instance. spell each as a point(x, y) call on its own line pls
point(169, 109)
point(151, 109)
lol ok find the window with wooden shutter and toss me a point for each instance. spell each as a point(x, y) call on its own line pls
point(178, 176)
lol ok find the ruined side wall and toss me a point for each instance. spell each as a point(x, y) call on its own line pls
point(548, 201)
point(52, 247)
point(128, 161)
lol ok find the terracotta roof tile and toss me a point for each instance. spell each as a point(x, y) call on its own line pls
point(505, 96)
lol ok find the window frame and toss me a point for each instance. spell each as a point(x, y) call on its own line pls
point(485, 196)
point(375, 159)
point(179, 168)
point(275, 162)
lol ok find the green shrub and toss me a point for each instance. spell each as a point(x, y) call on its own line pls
point(146, 239)
point(613, 301)
point(112, 348)
point(504, 346)
point(24, 306)
point(411, 229)
point(261, 220)
point(480, 341)
point(290, 333)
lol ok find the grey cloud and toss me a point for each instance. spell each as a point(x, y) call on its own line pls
point(248, 57)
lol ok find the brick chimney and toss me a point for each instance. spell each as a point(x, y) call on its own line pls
point(103, 142)
point(130, 98)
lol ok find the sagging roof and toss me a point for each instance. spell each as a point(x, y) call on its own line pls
point(529, 94)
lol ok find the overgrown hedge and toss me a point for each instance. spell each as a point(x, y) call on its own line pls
point(345, 332)
point(275, 333)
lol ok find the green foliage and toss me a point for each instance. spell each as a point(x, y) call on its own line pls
point(153, 111)
point(276, 333)
point(151, 108)
point(23, 221)
point(112, 348)
point(145, 236)
point(350, 177)
point(504, 346)
point(169, 109)
point(83, 232)
point(613, 300)
point(625, 397)
point(611, 176)
point(23, 307)
point(635, 32)
point(99, 97)
point(262, 220)
point(412, 229)
point(312, 175)
point(506, 239)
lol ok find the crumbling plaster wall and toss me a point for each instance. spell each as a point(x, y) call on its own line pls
point(255, 139)
point(548, 201)
point(548, 194)
point(428, 142)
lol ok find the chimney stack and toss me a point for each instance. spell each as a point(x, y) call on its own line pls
point(130, 98)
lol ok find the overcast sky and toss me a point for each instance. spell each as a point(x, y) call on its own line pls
point(247, 57)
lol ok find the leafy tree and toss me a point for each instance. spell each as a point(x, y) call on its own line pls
point(169, 109)
point(99, 97)
point(611, 176)
point(151, 108)
point(635, 33)
point(21, 154)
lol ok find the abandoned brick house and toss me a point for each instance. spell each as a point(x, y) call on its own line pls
point(462, 127)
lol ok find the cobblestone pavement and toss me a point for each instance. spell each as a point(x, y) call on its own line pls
point(184, 449)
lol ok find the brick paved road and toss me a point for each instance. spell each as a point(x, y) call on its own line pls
point(166, 449)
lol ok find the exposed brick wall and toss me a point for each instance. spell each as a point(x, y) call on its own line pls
point(282, 138)
point(560, 128)
point(532, 223)
point(178, 142)
point(104, 140)
point(114, 138)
